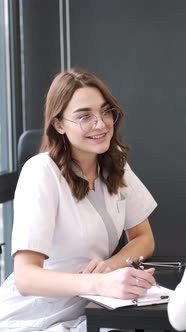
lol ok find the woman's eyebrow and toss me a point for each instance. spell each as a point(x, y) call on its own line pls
point(88, 109)
point(82, 109)
point(104, 104)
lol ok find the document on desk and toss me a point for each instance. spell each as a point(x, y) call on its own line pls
point(155, 295)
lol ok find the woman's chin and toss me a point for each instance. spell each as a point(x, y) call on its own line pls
point(102, 149)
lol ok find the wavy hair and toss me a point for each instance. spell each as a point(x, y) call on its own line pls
point(111, 162)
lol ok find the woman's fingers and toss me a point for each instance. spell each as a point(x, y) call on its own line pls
point(96, 266)
point(151, 270)
point(145, 276)
point(89, 268)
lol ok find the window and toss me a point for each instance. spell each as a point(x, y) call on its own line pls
point(10, 127)
point(5, 96)
point(1, 241)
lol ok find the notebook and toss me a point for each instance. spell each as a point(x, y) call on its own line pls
point(155, 295)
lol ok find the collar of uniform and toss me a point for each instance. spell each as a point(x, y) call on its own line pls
point(77, 170)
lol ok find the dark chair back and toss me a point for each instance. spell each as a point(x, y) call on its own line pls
point(28, 145)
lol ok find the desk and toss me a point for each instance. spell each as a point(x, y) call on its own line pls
point(146, 317)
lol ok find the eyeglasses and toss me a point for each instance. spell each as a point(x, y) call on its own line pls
point(89, 121)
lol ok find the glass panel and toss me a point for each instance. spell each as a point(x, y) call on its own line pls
point(7, 129)
point(1, 241)
point(5, 96)
point(6, 262)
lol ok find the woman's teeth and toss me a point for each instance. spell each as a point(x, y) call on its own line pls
point(97, 136)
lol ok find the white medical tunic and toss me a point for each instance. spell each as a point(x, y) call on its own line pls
point(49, 220)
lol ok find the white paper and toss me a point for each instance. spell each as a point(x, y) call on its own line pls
point(153, 297)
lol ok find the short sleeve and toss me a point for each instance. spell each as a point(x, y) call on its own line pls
point(139, 201)
point(35, 206)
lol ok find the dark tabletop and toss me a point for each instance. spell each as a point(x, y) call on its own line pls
point(143, 317)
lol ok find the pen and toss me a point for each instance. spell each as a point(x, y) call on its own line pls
point(164, 297)
point(130, 261)
point(134, 264)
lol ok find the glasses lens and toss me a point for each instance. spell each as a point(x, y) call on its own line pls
point(88, 122)
point(115, 115)
point(110, 116)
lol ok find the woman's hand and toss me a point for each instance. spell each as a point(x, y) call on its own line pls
point(126, 283)
point(96, 266)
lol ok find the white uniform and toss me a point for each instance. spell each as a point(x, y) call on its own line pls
point(177, 306)
point(49, 220)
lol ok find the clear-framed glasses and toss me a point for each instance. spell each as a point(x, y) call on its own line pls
point(89, 121)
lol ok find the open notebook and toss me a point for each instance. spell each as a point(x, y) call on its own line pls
point(155, 295)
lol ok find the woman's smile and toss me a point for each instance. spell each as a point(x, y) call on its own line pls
point(98, 137)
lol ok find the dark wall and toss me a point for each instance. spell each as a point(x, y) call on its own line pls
point(138, 48)
point(41, 55)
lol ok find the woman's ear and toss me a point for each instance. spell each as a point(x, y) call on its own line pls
point(58, 126)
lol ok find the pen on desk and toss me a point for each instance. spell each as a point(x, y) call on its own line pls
point(130, 261)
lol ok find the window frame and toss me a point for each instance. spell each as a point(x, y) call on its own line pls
point(8, 179)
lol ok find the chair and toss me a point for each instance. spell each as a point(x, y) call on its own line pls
point(28, 145)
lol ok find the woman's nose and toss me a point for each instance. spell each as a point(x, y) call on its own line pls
point(99, 123)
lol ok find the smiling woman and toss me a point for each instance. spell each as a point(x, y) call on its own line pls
point(86, 97)
point(78, 187)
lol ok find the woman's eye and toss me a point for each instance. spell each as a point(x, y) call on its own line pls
point(85, 117)
point(107, 112)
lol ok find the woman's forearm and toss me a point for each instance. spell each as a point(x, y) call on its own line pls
point(34, 280)
point(37, 281)
point(142, 245)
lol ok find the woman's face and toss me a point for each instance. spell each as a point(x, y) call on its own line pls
point(85, 102)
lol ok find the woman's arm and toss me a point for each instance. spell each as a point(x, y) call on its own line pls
point(176, 306)
point(141, 243)
point(32, 279)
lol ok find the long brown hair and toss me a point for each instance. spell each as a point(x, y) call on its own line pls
point(111, 162)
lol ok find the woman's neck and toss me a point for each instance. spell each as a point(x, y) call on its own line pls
point(89, 169)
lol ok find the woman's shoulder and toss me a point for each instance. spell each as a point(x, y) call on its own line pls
point(131, 179)
point(42, 159)
point(127, 167)
point(42, 162)
point(129, 175)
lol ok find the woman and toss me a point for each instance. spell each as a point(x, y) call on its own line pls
point(176, 306)
point(72, 202)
